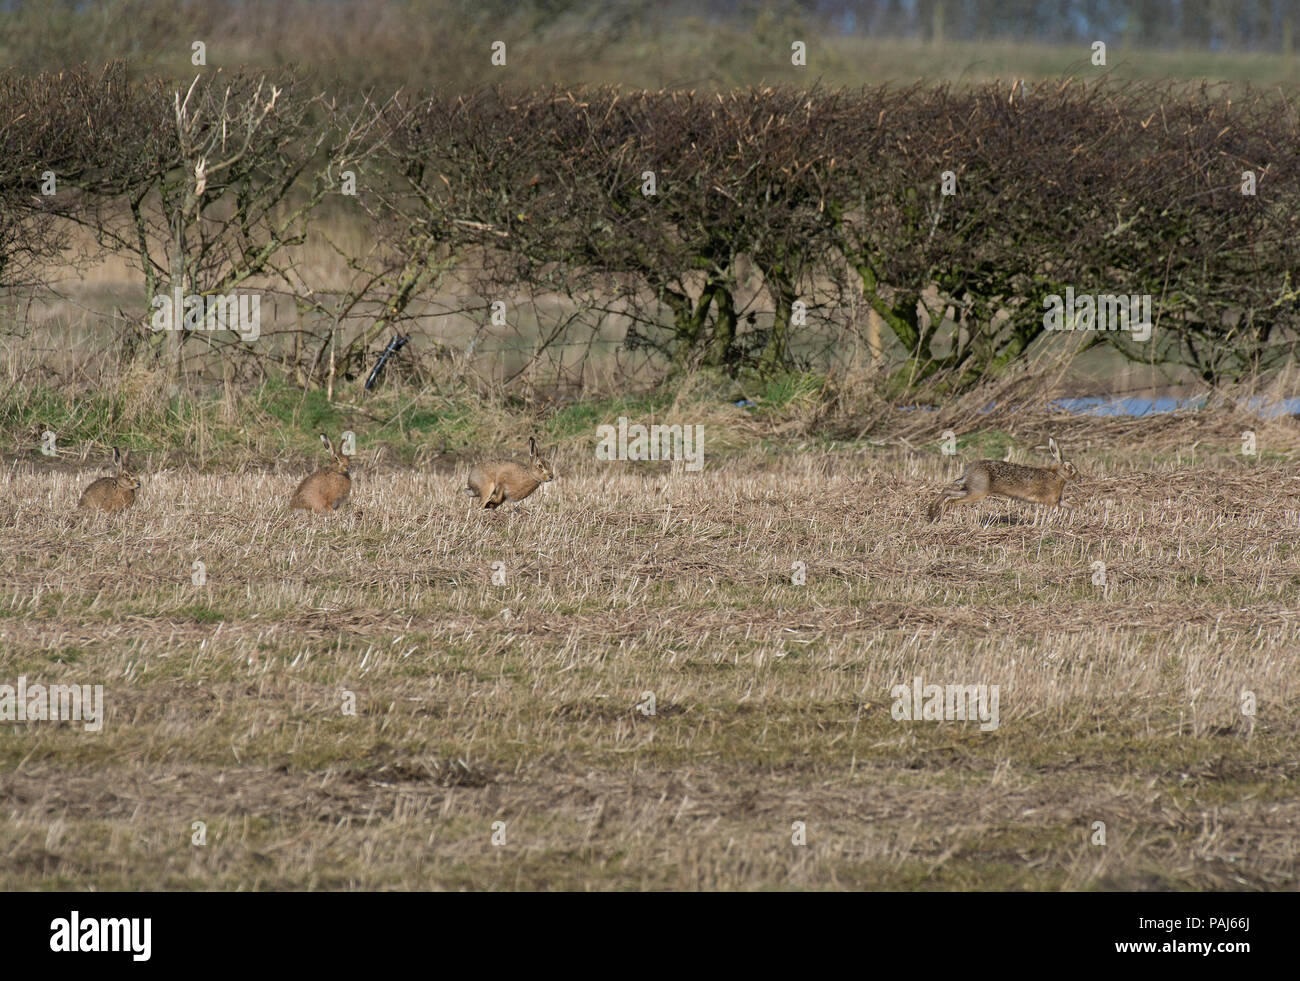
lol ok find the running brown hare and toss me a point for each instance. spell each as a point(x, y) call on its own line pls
point(1036, 485)
point(498, 481)
point(325, 490)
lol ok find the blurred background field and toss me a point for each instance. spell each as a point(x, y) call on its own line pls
point(674, 44)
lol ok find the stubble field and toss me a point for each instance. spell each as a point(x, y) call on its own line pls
point(501, 738)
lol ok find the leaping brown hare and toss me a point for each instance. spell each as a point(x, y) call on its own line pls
point(1036, 485)
point(115, 493)
point(327, 489)
point(498, 481)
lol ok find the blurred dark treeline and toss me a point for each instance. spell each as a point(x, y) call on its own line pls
point(640, 43)
point(1240, 25)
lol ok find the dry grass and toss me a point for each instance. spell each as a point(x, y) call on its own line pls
point(479, 703)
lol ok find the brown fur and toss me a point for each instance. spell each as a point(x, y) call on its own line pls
point(1036, 485)
point(115, 493)
point(498, 481)
point(327, 489)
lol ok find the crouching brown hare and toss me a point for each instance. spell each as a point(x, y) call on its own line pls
point(327, 489)
point(498, 481)
point(115, 493)
point(1035, 485)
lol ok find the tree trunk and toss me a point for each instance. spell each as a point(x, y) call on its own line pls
point(724, 329)
point(688, 321)
point(777, 354)
point(176, 335)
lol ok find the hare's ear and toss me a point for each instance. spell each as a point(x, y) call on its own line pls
point(1056, 450)
point(329, 447)
point(532, 447)
point(117, 458)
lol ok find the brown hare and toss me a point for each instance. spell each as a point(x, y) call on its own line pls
point(499, 481)
point(327, 489)
point(115, 493)
point(1037, 485)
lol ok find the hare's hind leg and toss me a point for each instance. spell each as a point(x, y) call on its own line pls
point(950, 495)
point(935, 510)
point(494, 496)
point(481, 489)
point(961, 495)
